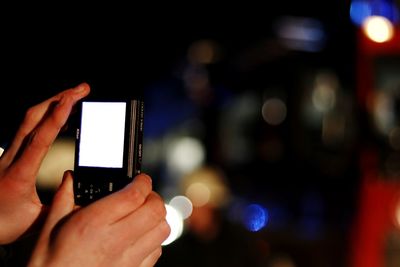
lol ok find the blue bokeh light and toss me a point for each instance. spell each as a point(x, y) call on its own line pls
point(361, 9)
point(255, 217)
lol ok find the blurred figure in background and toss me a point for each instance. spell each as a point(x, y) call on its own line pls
point(209, 239)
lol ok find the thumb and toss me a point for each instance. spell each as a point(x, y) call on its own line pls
point(62, 205)
point(63, 202)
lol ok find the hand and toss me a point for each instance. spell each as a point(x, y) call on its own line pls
point(125, 228)
point(20, 206)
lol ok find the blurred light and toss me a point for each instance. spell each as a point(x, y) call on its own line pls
point(1, 151)
point(397, 214)
point(185, 155)
point(360, 10)
point(383, 112)
point(183, 205)
point(235, 117)
point(324, 93)
point(274, 111)
point(199, 194)
point(282, 261)
point(59, 159)
point(206, 185)
point(277, 214)
point(203, 52)
point(175, 221)
point(394, 138)
point(378, 28)
point(306, 34)
point(255, 217)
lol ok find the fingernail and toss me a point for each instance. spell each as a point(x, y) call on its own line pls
point(80, 88)
point(147, 177)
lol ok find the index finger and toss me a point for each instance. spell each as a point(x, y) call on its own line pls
point(42, 124)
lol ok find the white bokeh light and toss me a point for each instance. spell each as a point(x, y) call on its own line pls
point(185, 154)
point(183, 205)
point(379, 29)
point(175, 221)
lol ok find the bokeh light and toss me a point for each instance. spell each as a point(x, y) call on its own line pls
point(360, 10)
point(185, 154)
point(183, 205)
point(324, 92)
point(175, 221)
point(203, 52)
point(274, 111)
point(255, 217)
point(206, 185)
point(301, 33)
point(379, 29)
point(199, 193)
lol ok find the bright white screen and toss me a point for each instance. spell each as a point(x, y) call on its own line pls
point(102, 134)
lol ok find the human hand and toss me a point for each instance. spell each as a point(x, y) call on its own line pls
point(125, 228)
point(20, 205)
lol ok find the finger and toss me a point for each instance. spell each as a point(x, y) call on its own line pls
point(152, 258)
point(123, 202)
point(63, 202)
point(36, 113)
point(144, 219)
point(147, 244)
point(62, 205)
point(45, 120)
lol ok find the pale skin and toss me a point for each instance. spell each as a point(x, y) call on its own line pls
point(126, 228)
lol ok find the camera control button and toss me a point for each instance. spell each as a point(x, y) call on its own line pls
point(110, 186)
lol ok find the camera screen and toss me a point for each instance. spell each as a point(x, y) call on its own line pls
point(102, 134)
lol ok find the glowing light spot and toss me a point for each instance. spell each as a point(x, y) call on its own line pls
point(379, 29)
point(397, 214)
point(255, 217)
point(199, 194)
point(183, 205)
point(1, 151)
point(359, 10)
point(324, 92)
point(274, 111)
point(301, 33)
point(203, 52)
point(175, 221)
point(185, 154)
point(362, 9)
point(206, 185)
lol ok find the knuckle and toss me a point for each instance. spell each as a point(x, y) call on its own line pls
point(135, 195)
point(30, 113)
point(158, 207)
point(165, 229)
